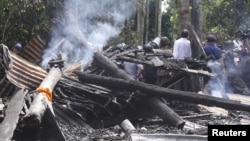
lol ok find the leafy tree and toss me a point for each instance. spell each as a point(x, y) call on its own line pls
point(21, 19)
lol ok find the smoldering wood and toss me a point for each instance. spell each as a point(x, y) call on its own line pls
point(107, 64)
point(162, 110)
point(40, 102)
point(95, 101)
point(154, 90)
point(110, 66)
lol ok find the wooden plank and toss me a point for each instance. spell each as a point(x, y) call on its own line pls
point(13, 110)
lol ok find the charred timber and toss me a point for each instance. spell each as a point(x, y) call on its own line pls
point(105, 63)
point(154, 90)
point(43, 98)
point(176, 121)
point(168, 64)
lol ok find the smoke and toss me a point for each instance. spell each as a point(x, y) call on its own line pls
point(84, 27)
point(217, 83)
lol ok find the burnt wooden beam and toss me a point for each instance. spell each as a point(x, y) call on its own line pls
point(107, 64)
point(43, 98)
point(135, 60)
point(160, 109)
point(154, 90)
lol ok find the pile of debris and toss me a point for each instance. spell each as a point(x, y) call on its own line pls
point(104, 103)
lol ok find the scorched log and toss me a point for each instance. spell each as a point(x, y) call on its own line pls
point(166, 113)
point(154, 90)
point(107, 64)
point(43, 98)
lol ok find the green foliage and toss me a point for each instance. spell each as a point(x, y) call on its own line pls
point(166, 28)
point(224, 17)
point(20, 19)
point(221, 17)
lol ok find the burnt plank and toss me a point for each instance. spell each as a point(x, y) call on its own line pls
point(13, 110)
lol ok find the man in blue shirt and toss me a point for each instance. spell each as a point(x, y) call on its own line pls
point(211, 49)
point(215, 65)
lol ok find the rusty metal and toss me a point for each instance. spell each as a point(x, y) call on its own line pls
point(33, 50)
point(25, 74)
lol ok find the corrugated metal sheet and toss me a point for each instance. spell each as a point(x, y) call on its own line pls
point(33, 50)
point(25, 74)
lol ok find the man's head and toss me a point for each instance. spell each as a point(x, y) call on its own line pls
point(184, 33)
point(211, 38)
point(228, 44)
point(164, 41)
point(17, 47)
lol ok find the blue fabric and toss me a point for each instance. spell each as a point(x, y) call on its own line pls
point(213, 50)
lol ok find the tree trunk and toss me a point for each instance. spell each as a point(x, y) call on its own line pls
point(196, 22)
point(147, 20)
point(184, 16)
point(140, 21)
point(159, 16)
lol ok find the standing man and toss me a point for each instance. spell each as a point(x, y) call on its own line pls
point(215, 65)
point(211, 49)
point(182, 48)
point(214, 55)
point(182, 51)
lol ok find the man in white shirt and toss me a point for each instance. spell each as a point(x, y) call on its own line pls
point(182, 47)
point(182, 51)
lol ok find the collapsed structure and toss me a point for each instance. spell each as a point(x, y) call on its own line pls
point(36, 101)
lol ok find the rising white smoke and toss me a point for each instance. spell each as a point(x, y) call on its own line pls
point(217, 83)
point(84, 27)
